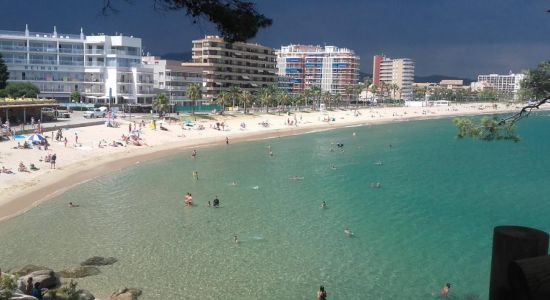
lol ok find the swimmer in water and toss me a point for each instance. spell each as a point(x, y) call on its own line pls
point(234, 183)
point(379, 163)
point(348, 232)
point(73, 205)
point(333, 167)
point(236, 238)
point(194, 154)
point(445, 290)
point(270, 153)
point(196, 175)
point(324, 205)
point(256, 187)
point(296, 178)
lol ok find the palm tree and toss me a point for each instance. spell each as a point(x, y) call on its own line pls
point(306, 94)
point(235, 92)
point(222, 98)
point(316, 92)
point(394, 88)
point(246, 97)
point(161, 104)
point(266, 97)
point(349, 91)
point(194, 92)
point(296, 100)
point(283, 97)
point(327, 96)
point(337, 99)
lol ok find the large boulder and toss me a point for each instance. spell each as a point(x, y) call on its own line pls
point(64, 294)
point(27, 269)
point(84, 295)
point(79, 272)
point(126, 294)
point(47, 278)
point(21, 296)
point(99, 261)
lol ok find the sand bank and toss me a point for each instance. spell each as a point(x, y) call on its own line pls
point(87, 159)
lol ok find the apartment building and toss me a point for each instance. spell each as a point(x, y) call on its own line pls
point(172, 79)
point(399, 71)
point(102, 68)
point(510, 83)
point(225, 65)
point(331, 68)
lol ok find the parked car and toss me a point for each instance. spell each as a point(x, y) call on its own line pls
point(95, 113)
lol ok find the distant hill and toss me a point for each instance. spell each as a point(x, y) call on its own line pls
point(183, 56)
point(438, 78)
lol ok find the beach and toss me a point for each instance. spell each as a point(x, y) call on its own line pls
point(87, 159)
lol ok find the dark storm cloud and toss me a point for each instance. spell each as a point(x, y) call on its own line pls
point(453, 37)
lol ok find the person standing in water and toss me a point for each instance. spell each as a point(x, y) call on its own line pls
point(236, 238)
point(226, 140)
point(321, 293)
point(324, 205)
point(194, 154)
point(196, 175)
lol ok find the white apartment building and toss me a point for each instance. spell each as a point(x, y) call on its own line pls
point(510, 83)
point(399, 71)
point(225, 65)
point(102, 68)
point(329, 67)
point(172, 79)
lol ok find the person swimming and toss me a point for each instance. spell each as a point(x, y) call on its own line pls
point(324, 205)
point(216, 202)
point(348, 232)
point(340, 145)
point(445, 290)
point(379, 163)
point(296, 178)
point(333, 167)
point(236, 238)
point(73, 205)
point(375, 185)
point(234, 183)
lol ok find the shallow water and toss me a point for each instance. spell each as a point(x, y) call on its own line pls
point(431, 221)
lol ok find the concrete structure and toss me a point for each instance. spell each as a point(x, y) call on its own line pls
point(399, 71)
point(329, 67)
point(171, 78)
point(225, 65)
point(100, 67)
point(510, 83)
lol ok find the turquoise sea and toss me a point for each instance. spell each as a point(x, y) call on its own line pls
point(431, 221)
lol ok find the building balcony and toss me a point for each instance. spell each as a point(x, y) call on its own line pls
point(43, 50)
point(71, 51)
point(13, 48)
point(43, 62)
point(95, 52)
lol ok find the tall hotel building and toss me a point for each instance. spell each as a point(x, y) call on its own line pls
point(510, 83)
point(331, 68)
point(226, 65)
point(100, 67)
point(173, 79)
point(398, 71)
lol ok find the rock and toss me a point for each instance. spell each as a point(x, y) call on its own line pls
point(21, 296)
point(126, 294)
point(47, 278)
point(27, 269)
point(79, 272)
point(84, 295)
point(99, 261)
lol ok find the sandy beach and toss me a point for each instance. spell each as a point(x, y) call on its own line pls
point(87, 159)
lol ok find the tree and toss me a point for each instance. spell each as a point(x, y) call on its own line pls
point(161, 103)
point(337, 99)
point(4, 75)
point(246, 97)
point(536, 83)
point(234, 93)
point(283, 97)
point(236, 20)
point(22, 89)
point(327, 97)
point(194, 92)
point(350, 89)
point(222, 99)
point(75, 96)
point(316, 93)
point(266, 96)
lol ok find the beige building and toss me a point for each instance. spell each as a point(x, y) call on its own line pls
point(225, 65)
point(172, 79)
point(399, 71)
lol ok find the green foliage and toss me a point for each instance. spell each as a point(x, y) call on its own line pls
point(236, 20)
point(22, 89)
point(8, 283)
point(75, 96)
point(537, 82)
point(4, 75)
point(161, 103)
point(488, 129)
point(194, 92)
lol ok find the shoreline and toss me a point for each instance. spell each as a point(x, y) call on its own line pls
point(48, 185)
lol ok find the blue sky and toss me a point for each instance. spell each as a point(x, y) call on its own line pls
point(450, 37)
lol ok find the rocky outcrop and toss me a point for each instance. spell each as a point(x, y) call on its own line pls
point(47, 278)
point(99, 261)
point(21, 296)
point(126, 294)
point(79, 272)
point(27, 269)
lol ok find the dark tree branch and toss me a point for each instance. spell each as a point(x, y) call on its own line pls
point(236, 20)
point(523, 113)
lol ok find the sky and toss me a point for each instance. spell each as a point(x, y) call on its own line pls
point(446, 37)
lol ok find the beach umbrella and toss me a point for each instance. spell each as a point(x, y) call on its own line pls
point(36, 138)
